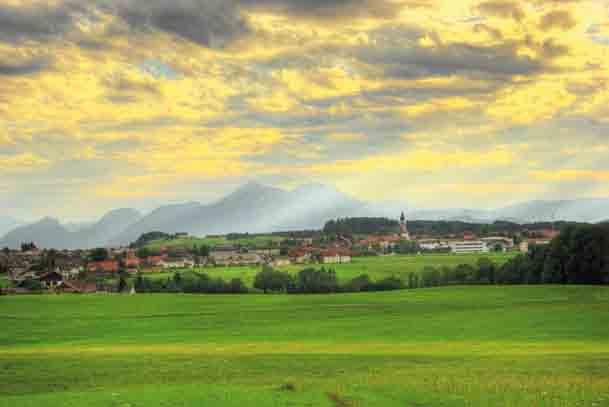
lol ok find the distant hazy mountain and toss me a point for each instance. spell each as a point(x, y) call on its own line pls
point(49, 233)
point(7, 224)
point(77, 226)
point(252, 208)
point(463, 215)
point(258, 208)
point(581, 210)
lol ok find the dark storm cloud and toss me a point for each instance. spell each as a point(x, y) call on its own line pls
point(560, 19)
point(206, 22)
point(24, 67)
point(211, 23)
point(459, 58)
point(336, 9)
point(36, 22)
point(502, 8)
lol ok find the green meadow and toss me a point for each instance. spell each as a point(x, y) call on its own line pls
point(457, 346)
point(377, 268)
point(4, 281)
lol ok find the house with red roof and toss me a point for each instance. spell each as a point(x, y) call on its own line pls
point(106, 266)
point(335, 256)
point(383, 242)
point(299, 256)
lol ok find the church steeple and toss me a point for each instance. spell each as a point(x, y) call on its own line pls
point(404, 228)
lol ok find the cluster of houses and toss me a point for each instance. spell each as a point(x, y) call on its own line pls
point(78, 270)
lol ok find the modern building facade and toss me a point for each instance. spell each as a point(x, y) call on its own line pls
point(469, 246)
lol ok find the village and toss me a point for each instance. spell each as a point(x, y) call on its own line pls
point(30, 269)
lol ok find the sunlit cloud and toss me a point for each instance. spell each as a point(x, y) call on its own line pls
point(133, 100)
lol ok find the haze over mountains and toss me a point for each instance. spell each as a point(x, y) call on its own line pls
point(7, 224)
point(258, 208)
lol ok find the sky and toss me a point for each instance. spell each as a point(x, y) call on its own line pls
point(137, 103)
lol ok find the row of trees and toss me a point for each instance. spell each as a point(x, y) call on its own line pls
point(579, 255)
point(311, 281)
point(361, 226)
point(197, 283)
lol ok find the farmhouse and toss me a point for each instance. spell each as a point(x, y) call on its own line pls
point(132, 263)
point(69, 266)
point(106, 266)
point(382, 242)
point(281, 262)
point(299, 256)
point(51, 280)
point(154, 261)
point(270, 251)
point(335, 256)
point(242, 259)
point(433, 244)
point(177, 263)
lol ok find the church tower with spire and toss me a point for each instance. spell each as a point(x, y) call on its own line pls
point(404, 228)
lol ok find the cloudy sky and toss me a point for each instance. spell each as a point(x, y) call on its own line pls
point(115, 103)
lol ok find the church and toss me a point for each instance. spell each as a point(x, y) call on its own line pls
point(404, 228)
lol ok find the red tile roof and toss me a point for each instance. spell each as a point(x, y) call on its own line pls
point(109, 266)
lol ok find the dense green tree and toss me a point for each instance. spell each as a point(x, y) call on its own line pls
point(485, 271)
point(465, 273)
point(237, 286)
point(26, 247)
point(579, 255)
point(272, 280)
point(204, 251)
point(361, 226)
point(122, 284)
point(146, 238)
point(317, 281)
point(144, 252)
point(99, 254)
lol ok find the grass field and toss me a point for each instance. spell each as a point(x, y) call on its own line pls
point(190, 242)
point(459, 346)
point(4, 281)
point(377, 268)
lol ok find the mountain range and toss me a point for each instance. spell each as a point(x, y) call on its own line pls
point(257, 208)
point(7, 224)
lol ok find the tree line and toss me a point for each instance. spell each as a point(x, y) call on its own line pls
point(371, 226)
point(579, 255)
point(322, 281)
point(361, 226)
point(197, 283)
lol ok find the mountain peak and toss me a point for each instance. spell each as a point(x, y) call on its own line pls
point(121, 213)
point(252, 185)
point(49, 221)
point(250, 188)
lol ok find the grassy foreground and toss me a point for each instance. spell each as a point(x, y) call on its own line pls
point(463, 346)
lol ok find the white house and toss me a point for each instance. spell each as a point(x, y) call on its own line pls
point(335, 257)
point(469, 246)
point(177, 263)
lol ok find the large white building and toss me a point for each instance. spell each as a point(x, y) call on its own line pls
point(469, 246)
